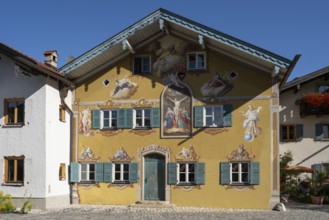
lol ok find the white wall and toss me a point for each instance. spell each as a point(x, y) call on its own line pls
point(43, 140)
point(289, 114)
point(57, 142)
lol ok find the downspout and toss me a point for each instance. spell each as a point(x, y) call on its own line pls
point(63, 91)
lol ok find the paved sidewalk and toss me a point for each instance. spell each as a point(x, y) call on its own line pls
point(93, 212)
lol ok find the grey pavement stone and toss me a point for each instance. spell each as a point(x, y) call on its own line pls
point(94, 212)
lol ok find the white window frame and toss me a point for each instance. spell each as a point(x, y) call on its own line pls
point(122, 172)
point(88, 171)
point(110, 118)
point(187, 172)
point(142, 64)
point(240, 181)
point(196, 61)
point(143, 118)
point(213, 116)
point(325, 131)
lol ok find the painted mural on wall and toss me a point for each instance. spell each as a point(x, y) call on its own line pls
point(85, 122)
point(217, 86)
point(169, 53)
point(176, 112)
point(250, 123)
point(187, 154)
point(124, 89)
point(121, 155)
point(240, 154)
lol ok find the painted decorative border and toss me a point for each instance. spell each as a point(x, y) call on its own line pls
point(214, 131)
point(142, 132)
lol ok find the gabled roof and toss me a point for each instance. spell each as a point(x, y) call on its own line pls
point(307, 78)
point(33, 65)
point(153, 26)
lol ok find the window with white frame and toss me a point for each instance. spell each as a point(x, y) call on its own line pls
point(196, 61)
point(109, 118)
point(213, 116)
point(87, 172)
point(142, 118)
point(186, 173)
point(121, 172)
point(142, 64)
point(239, 173)
point(323, 88)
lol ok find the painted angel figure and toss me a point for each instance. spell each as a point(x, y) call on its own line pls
point(250, 123)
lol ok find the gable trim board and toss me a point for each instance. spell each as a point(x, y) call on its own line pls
point(151, 25)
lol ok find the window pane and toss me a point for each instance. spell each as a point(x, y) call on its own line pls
point(245, 177)
point(20, 170)
point(192, 61)
point(284, 133)
point(139, 113)
point(126, 167)
point(11, 112)
point(83, 175)
point(182, 168)
point(146, 65)
point(208, 121)
point(137, 65)
point(191, 168)
point(147, 113)
point(126, 176)
point(191, 177)
point(235, 177)
point(324, 89)
point(325, 131)
point(106, 114)
point(20, 113)
point(235, 167)
point(91, 176)
point(117, 176)
point(114, 114)
point(244, 167)
point(208, 111)
point(200, 59)
point(291, 132)
point(106, 123)
point(117, 167)
point(114, 123)
point(91, 167)
point(11, 170)
point(83, 167)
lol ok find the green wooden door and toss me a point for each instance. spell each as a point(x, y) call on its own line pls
point(154, 177)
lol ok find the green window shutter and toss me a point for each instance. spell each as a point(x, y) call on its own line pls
point(227, 116)
point(121, 118)
point(172, 173)
point(281, 133)
point(107, 172)
point(99, 172)
point(225, 169)
point(74, 172)
point(254, 173)
point(96, 119)
point(133, 172)
point(129, 118)
point(155, 117)
point(198, 116)
point(299, 132)
point(318, 132)
point(200, 173)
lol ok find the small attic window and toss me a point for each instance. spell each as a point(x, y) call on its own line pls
point(233, 75)
point(106, 82)
point(54, 59)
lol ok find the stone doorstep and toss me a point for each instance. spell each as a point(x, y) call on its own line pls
point(151, 204)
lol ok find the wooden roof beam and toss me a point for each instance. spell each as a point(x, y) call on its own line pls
point(126, 45)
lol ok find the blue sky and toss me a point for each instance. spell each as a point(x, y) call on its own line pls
point(72, 27)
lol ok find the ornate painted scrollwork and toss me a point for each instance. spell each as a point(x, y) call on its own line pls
point(187, 154)
point(121, 155)
point(88, 155)
point(240, 154)
point(142, 103)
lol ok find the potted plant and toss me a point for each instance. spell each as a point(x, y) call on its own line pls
point(317, 184)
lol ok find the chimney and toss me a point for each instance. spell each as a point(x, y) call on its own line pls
point(51, 58)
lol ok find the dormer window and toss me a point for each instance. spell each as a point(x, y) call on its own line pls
point(196, 61)
point(142, 64)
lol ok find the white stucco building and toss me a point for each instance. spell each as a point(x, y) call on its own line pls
point(34, 130)
point(304, 126)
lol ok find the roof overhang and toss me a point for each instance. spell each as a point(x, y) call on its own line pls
point(160, 23)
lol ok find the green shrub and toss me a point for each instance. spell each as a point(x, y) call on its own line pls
point(6, 203)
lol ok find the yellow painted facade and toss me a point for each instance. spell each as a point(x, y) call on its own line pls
point(212, 145)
